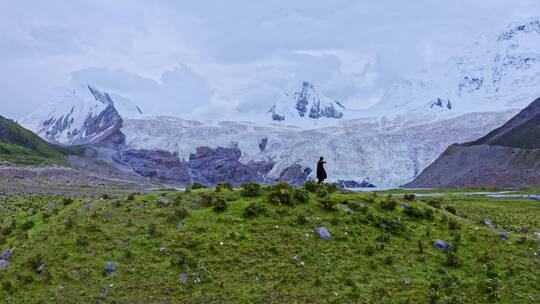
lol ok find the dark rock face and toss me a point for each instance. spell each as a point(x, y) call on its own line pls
point(115, 141)
point(294, 175)
point(211, 166)
point(507, 157)
point(355, 184)
point(263, 143)
point(158, 164)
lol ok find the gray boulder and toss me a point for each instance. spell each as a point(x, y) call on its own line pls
point(323, 232)
point(488, 223)
point(441, 244)
point(110, 267)
point(7, 253)
point(504, 235)
point(524, 229)
point(4, 264)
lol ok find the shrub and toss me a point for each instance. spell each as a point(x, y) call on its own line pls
point(207, 199)
point(250, 189)
point(104, 196)
point(409, 196)
point(177, 201)
point(389, 204)
point(254, 209)
point(280, 186)
point(453, 224)
point(322, 192)
point(331, 188)
point(452, 257)
point(281, 197)
point(220, 205)
point(196, 186)
point(311, 186)
point(389, 260)
point(27, 225)
point(357, 206)
point(178, 214)
point(131, 197)
point(434, 202)
point(301, 195)
point(67, 201)
point(450, 209)
point(302, 219)
point(224, 186)
point(328, 204)
point(389, 224)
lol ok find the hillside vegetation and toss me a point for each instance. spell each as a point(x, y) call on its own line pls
point(22, 145)
point(275, 244)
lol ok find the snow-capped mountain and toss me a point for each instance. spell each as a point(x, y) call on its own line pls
point(390, 143)
point(81, 116)
point(492, 75)
point(305, 103)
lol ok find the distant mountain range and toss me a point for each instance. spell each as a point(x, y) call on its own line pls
point(507, 157)
point(389, 143)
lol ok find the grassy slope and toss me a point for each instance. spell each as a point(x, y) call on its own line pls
point(272, 258)
point(21, 145)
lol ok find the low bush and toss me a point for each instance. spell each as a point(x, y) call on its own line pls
point(224, 186)
point(434, 202)
point(453, 224)
point(301, 195)
point(450, 209)
point(281, 197)
point(415, 212)
point(409, 196)
point(311, 186)
point(255, 209)
point(328, 204)
point(178, 214)
point(206, 199)
point(220, 205)
point(331, 188)
point(389, 204)
point(196, 186)
point(67, 201)
point(250, 189)
point(322, 192)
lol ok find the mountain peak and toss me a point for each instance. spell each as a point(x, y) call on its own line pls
point(529, 26)
point(305, 102)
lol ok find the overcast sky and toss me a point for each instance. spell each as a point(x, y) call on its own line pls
point(205, 58)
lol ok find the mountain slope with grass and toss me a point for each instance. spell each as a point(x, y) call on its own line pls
point(17, 142)
point(507, 157)
point(267, 245)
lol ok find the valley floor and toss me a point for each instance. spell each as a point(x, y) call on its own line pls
point(254, 245)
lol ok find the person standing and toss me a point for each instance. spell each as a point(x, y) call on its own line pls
point(321, 173)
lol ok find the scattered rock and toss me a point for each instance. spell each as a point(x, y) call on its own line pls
point(40, 268)
point(162, 249)
point(104, 289)
point(404, 204)
point(183, 277)
point(441, 244)
point(7, 253)
point(109, 268)
point(180, 226)
point(488, 223)
point(4, 264)
point(537, 236)
point(524, 229)
point(324, 233)
point(407, 280)
point(504, 235)
point(346, 208)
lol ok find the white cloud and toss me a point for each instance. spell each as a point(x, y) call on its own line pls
point(351, 49)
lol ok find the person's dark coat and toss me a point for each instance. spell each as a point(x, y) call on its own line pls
point(321, 173)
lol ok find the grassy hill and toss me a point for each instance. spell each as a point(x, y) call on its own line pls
point(22, 145)
point(251, 246)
